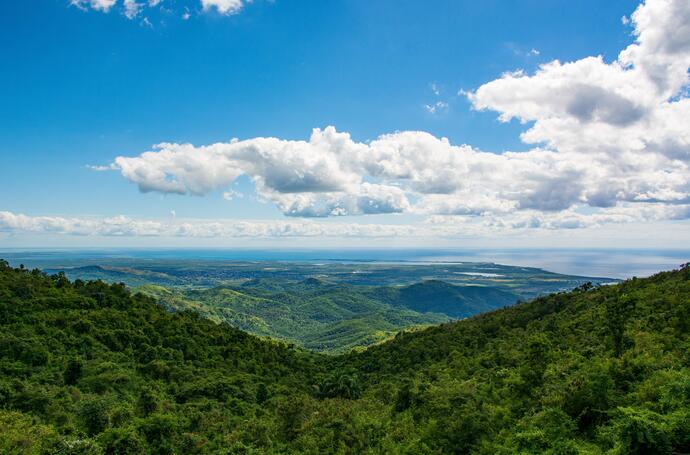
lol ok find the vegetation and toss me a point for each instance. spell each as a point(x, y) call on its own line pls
point(329, 307)
point(313, 314)
point(90, 368)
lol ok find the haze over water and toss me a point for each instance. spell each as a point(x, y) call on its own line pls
point(612, 263)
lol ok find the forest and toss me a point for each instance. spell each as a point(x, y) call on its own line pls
point(88, 367)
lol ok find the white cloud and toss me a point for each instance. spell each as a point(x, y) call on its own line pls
point(437, 107)
point(631, 105)
point(132, 8)
point(98, 5)
point(662, 49)
point(522, 224)
point(121, 226)
point(411, 172)
point(232, 194)
point(223, 6)
point(613, 145)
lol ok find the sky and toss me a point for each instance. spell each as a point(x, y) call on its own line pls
point(512, 123)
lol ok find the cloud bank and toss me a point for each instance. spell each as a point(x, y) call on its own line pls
point(433, 227)
point(122, 226)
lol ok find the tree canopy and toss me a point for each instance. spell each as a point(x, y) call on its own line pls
point(91, 368)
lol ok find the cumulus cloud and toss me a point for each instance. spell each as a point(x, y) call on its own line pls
point(409, 172)
point(612, 144)
point(662, 49)
point(634, 104)
point(303, 178)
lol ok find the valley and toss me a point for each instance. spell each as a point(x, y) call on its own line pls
point(327, 306)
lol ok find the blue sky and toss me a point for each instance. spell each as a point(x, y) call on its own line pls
point(82, 86)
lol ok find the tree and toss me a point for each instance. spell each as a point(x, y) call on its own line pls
point(617, 311)
point(122, 441)
point(73, 371)
point(94, 415)
point(261, 393)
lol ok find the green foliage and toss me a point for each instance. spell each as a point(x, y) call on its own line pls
point(73, 371)
point(122, 441)
point(334, 307)
point(440, 297)
point(340, 384)
point(643, 432)
point(314, 314)
point(90, 368)
point(19, 434)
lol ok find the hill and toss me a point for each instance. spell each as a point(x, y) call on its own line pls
point(91, 368)
point(332, 317)
point(93, 362)
point(435, 296)
point(313, 313)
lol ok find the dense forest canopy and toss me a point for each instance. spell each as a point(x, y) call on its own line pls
point(91, 368)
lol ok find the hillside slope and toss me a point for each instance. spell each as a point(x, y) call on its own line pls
point(590, 371)
point(332, 317)
point(90, 368)
point(434, 296)
point(87, 367)
point(313, 314)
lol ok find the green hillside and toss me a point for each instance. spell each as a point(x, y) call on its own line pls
point(313, 314)
point(330, 307)
point(89, 368)
point(440, 297)
point(332, 317)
